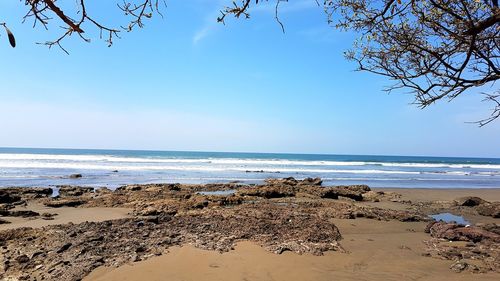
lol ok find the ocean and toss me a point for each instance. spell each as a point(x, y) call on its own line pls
point(113, 168)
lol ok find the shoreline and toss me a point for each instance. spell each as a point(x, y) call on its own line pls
point(299, 228)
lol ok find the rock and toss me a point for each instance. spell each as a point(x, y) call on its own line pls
point(197, 202)
point(456, 232)
point(335, 192)
point(22, 259)
point(459, 266)
point(311, 181)
point(64, 248)
point(48, 216)
point(491, 227)
point(64, 203)
point(285, 181)
point(135, 258)
point(489, 209)
point(373, 196)
point(66, 191)
point(6, 197)
point(129, 188)
point(272, 191)
point(17, 194)
point(356, 188)
point(153, 219)
point(149, 211)
point(469, 201)
point(75, 176)
point(19, 213)
point(2, 221)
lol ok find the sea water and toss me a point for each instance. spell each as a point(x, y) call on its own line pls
point(112, 168)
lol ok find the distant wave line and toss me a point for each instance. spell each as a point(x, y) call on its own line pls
point(90, 166)
point(234, 161)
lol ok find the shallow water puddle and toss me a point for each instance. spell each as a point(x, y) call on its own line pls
point(447, 217)
point(218, 192)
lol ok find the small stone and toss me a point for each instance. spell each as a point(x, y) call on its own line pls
point(64, 248)
point(135, 258)
point(459, 266)
point(23, 259)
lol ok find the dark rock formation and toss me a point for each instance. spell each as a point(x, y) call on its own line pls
point(57, 203)
point(17, 194)
point(480, 253)
point(456, 232)
point(67, 190)
point(335, 192)
point(469, 201)
point(18, 213)
point(489, 209)
point(6, 197)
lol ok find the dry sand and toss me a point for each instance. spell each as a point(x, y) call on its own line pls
point(64, 215)
point(378, 250)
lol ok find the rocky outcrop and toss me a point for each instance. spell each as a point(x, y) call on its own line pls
point(281, 215)
point(311, 182)
point(377, 196)
point(16, 194)
point(477, 249)
point(309, 187)
point(466, 206)
point(8, 198)
point(341, 191)
point(272, 191)
point(70, 252)
point(457, 232)
point(469, 201)
point(57, 203)
point(71, 191)
point(18, 213)
point(489, 209)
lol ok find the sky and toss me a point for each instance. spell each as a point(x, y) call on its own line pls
point(186, 82)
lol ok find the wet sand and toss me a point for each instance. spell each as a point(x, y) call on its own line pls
point(64, 215)
point(377, 250)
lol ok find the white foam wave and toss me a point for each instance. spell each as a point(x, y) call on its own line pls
point(92, 159)
point(438, 165)
point(96, 166)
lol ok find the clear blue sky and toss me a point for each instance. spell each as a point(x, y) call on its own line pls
point(187, 83)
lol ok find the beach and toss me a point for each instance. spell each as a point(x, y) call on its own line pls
point(284, 229)
point(377, 251)
point(249, 140)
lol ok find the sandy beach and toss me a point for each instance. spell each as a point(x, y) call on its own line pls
point(392, 246)
point(64, 215)
point(377, 250)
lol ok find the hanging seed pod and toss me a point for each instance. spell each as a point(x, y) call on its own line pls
point(12, 39)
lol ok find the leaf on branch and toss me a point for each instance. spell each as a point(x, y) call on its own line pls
point(12, 39)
